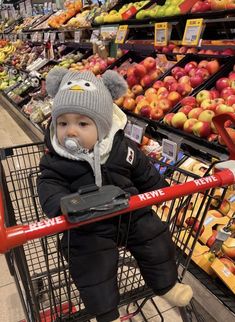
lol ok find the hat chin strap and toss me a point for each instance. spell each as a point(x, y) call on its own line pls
point(97, 165)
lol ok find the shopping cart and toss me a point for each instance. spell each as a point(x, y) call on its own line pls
point(32, 241)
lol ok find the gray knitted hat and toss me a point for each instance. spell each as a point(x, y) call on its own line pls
point(85, 94)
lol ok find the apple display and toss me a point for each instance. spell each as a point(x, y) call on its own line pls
point(149, 63)
point(186, 109)
point(189, 66)
point(208, 104)
point(165, 104)
point(230, 100)
point(196, 80)
point(140, 70)
point(226, 92)
point(158, 84)
point(174, 97)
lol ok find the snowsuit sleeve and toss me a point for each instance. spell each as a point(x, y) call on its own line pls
point(51, 188)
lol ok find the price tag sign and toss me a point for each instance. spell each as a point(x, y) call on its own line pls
point(46, 36)
point(121, 34)
point(77, 36)
point(193, 31)
point(34, 37)
point(162, 33)
point(40, 37)
point(61, 37)
point(170, 149)
point(135, 130)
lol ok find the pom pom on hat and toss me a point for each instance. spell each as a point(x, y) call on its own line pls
point(115, 83)
point(54, 79)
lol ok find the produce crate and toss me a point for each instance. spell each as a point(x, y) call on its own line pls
point(206, 86)
point(130, 13)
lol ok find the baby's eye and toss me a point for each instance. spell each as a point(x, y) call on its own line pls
point(62, 123)
point(83, 124)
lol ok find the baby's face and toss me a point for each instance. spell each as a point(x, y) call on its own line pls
point(79, 127)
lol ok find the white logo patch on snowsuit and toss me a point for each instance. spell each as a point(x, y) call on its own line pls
point(130, 155)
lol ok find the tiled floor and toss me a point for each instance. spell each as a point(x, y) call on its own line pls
point(11, 309)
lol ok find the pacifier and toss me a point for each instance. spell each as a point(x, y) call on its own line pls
point(73, 145)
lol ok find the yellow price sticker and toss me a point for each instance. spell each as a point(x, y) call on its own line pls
point(121, 34)
point(193, 31)
point(162, 33)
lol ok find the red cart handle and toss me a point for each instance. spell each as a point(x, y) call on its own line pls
point(219, 121)
point(11, 237)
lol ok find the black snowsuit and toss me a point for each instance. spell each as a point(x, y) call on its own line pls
point(93, 248)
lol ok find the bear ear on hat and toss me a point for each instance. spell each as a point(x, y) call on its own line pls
point(115, 84)
point(54, 79)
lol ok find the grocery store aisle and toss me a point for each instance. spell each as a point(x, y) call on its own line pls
point(11, 310)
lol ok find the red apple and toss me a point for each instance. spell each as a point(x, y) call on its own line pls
point(145, 81)
point(149, 63)
point(203, 64)
point(158, 84)
point(202, 129)
point(230, 4)
point(227, 52)
point(167, 118)
point(195, 224)
point(208, 104)
point(149, 91)
point(192, 72)
point(213, 66)
point(165, 104)
point(130, 71)
point(172, 87)
point(137, 89)
point(174, 97)
point(203, 72)
point(222, 83)
point(178, 120)
point(132, 80)
point(184, 89)
point(189, 66)
point(186, 109)
point(195, 112)
point(129, 103)
point(206, 116)
point(184, 80)
point(154, 74)
point(231, 76)
point(157, 113)
point(176, 69)
point(196, 80)
point(230, 100)
point(203, 95)
point(189, 100)
point(226, 92)
point(223, 108)
point(188, 125)
point(214, 93)
point(140, 70)
point(183, 50)
point(139, 98)
point(169, 80)
point(212, 137)
point(119, 101)
point(180, 74)
point(145, 111)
